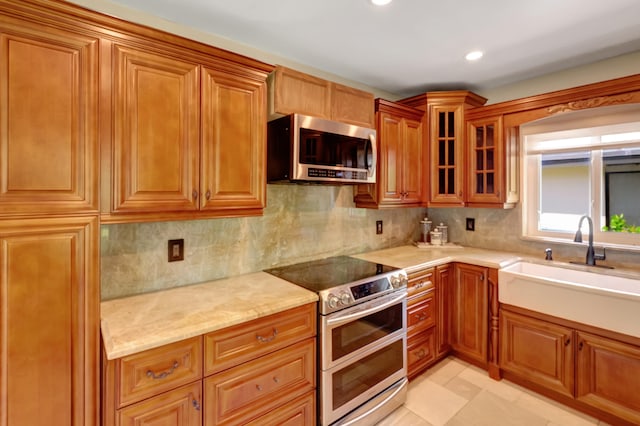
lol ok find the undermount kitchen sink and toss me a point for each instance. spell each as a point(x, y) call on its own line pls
point(603, 300)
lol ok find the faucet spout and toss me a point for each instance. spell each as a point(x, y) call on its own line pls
point(591, 256)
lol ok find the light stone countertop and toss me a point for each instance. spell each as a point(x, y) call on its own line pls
point(412, 257)
point(133, 324)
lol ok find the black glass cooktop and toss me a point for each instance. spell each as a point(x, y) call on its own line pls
point(324, 274)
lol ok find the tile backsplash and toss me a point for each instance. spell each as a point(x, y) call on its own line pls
point(300, 223)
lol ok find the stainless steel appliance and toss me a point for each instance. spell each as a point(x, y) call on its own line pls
point(362, 336)
point(311, 149)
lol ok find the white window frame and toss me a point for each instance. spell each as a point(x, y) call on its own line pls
point(585, 139)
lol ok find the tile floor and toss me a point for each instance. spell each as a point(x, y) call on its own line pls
point(455, 393)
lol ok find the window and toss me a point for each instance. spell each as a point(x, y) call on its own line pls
point(593, 171)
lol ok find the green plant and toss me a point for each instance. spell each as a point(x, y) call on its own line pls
point(619, 224)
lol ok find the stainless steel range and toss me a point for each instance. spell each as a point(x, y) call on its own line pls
point(362, 336)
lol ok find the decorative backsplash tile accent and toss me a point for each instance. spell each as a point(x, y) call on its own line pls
point(300, 223)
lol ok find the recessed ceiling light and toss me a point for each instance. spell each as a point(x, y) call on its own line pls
point(474, 56)
point(380, 2)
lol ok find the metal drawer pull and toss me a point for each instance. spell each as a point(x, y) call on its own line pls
point(164, 374)
point(267, 339)
point(421, 316)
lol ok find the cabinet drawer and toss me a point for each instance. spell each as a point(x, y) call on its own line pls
point(419, 281)
point(180, 406)
point(420, 352)
point(299, 412)
point(234, 345)
point(421, 313)
point(157, 370)
point(247, 391)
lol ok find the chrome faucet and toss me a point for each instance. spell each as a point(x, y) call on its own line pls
point(591, 255)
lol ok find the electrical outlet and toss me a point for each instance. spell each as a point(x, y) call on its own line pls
point(176, 250)
point(471, 224)
point(378, 227)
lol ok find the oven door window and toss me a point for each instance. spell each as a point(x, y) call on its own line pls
point(354, 335)
point(358, 377)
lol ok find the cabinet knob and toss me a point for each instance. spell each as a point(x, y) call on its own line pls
point(208, 194)
point(258, 387)
point(567, 342)
point(194, 194)
point(420, 354)
point(196, 404)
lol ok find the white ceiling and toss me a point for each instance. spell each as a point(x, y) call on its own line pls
point(411, 46)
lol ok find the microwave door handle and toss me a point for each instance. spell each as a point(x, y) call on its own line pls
point(374, 151)
point(346, 318)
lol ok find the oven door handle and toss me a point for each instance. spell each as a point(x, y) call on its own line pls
point(378, 307)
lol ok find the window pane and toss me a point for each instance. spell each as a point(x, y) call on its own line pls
point(564, 190)
point(621, 169)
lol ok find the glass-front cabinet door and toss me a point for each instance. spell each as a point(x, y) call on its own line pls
point(447, 155)
point(485, 154)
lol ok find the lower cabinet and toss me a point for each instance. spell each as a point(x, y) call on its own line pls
point(599, 374)
point(261, 372)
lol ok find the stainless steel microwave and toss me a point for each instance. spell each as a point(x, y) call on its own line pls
point(302, 148)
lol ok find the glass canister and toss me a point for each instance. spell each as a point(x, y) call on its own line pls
point(444, 230)
point(425, 229)
point(436, 238)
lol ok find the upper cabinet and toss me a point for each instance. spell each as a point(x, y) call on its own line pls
point(400, 159)
point(492, 180)
point(294, 92)
point(48, 119)
point(445, 115)
point(189, 135)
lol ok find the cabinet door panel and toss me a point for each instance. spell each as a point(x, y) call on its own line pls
point(412, 178)
point(443, 320)
point(390, 158)
point(470, 323)
point(352, 106)
point(179, 407)
point(608, 376)
point(48, 120)
point(156, 144)
point(537, 350)
point(486, 164)
point(233, 172)
point(447, 155)
point(49, 322)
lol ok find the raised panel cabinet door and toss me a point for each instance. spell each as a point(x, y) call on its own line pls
point(485, 180)
point(49, 327)
point(48, 119)
point(538, 351)
point(608, 376)
point(233, 163)
point(299, 93)
point(390, 158)
point(156, 132)
point(179, 407)
point(447, 155)
point(352, 106)
point(470, 312)
point(412, 159)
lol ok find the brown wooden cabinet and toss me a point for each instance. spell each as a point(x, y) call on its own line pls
point(399, 181)
point(444, 113)
point(608, 375)
point(538, 351)
point(49, 324)
point(262, 372)
point(294, 92)
point(421, 319)
point(492, 179)
point(188, 137)
point(48, 118)
point(591, 369)
point(470, 313)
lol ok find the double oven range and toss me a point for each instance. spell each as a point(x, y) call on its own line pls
point(361, 335)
